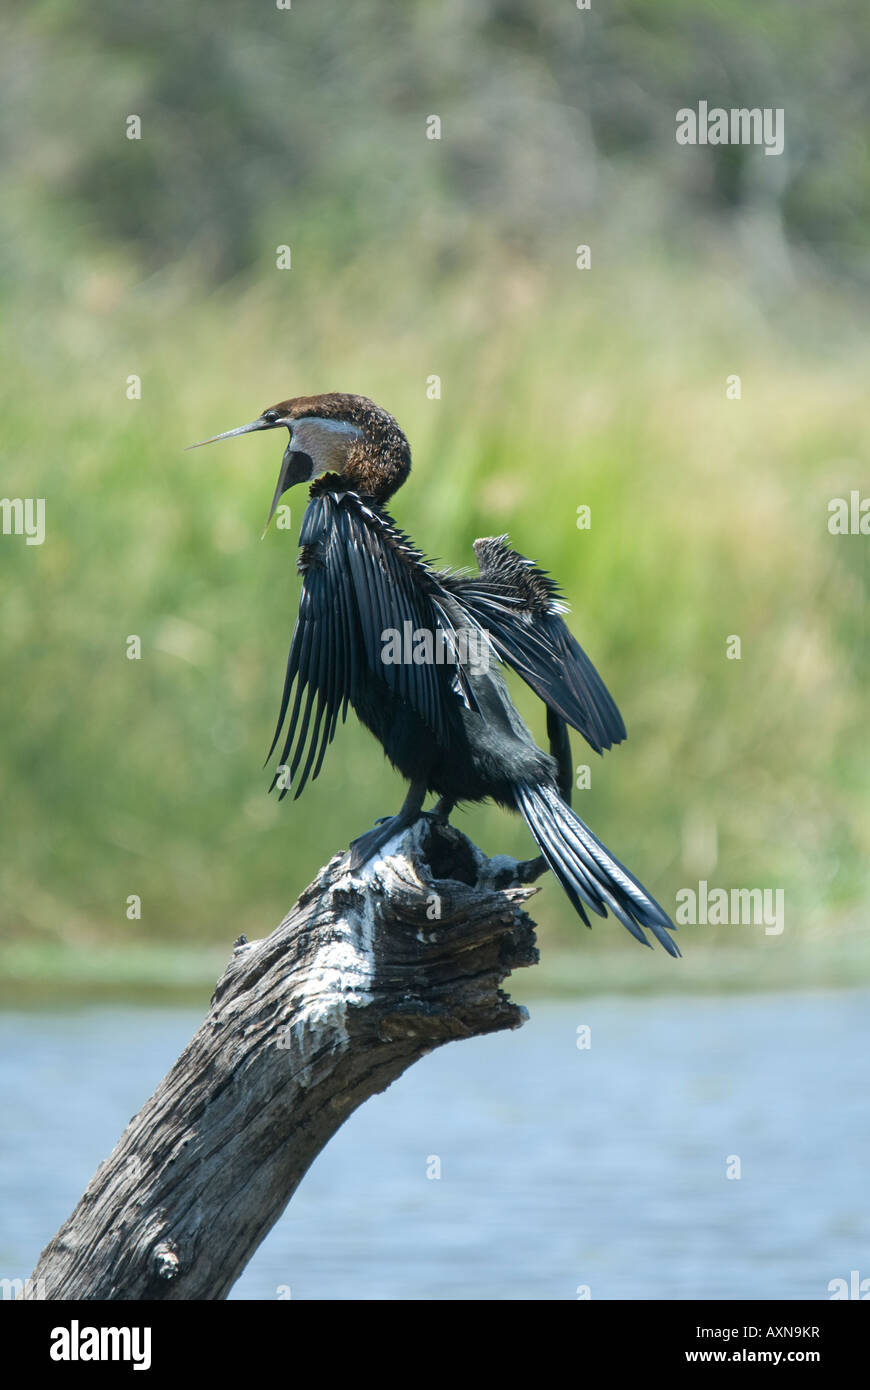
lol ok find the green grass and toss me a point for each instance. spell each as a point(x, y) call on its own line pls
point(708, 519)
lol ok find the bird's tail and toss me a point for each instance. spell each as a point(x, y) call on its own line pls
point(587, 871)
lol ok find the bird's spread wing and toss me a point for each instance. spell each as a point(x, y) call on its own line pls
point(520, 607)
point(363, 579)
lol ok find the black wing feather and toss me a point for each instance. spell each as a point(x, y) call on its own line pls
point(521, 608)
point(362, 577)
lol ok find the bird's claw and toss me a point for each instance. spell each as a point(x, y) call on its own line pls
point(366, 846)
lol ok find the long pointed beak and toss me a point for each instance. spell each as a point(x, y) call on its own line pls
point(242, 429)
point(280, 489)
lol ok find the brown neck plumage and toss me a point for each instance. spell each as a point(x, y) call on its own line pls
point(377, 463)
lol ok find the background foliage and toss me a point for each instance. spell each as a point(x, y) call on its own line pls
point(606, 387)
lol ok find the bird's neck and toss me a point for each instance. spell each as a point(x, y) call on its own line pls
point(372, 472)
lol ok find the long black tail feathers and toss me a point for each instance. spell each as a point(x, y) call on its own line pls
point(587, 871)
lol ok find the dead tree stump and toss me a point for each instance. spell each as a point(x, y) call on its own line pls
point(367, 973)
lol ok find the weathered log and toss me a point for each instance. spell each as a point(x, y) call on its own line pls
point(367, 973)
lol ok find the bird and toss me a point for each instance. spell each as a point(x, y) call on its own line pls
point(419, 653)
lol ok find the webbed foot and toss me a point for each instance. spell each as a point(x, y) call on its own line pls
point(366, 846)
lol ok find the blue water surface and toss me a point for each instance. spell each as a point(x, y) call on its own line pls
point(561, 1168)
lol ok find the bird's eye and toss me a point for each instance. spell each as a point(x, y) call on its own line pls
point(270, 415)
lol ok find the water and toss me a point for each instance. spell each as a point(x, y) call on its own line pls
point(559, 1167)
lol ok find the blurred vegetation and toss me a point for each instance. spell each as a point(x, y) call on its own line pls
point(157, 258)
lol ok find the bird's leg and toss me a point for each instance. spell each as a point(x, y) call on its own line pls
point(362, 849)
point(441, 810)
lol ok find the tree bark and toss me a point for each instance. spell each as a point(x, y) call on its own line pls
point(367, 973)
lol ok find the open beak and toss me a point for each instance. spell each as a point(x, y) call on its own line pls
point(260, 424)
point(290, 473)
point(285, 479)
